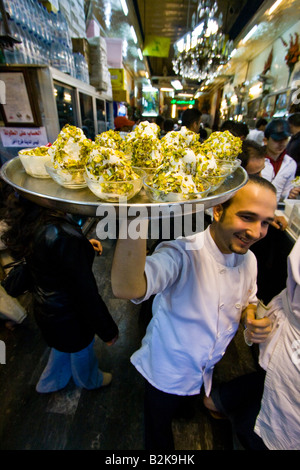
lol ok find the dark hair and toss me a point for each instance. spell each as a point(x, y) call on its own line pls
point(261, 122)
point(255, 179)
point(294, 119)
point(247, 152)
point(230, 126)
point(242, 129)
point(159, 120)
point(189, 116)
point(168, 125)
point(23, 218)
point(238, 129)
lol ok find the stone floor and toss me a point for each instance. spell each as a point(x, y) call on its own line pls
point(107, 419)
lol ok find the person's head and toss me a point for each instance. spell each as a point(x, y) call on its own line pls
point(123, 124)
point(244, 219)
point(261, 124)
point(160, 120)
point(252, 157)
point(168, 125)
point(294, 122)
point(277, 135)
point(238, 129)
point(191, 118)
point(242, 130)
point(23, 218)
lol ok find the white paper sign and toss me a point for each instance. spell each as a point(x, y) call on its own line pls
point(23, 136)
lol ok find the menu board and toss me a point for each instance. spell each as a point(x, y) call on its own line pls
point(16, 101)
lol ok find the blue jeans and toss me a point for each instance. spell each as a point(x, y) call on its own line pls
point(82, 366)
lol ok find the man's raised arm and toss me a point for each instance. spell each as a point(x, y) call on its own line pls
point(127, 275)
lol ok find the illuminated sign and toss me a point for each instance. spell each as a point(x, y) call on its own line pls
point(182, 102)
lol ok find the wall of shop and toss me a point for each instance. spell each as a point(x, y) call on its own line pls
point(279, 70)
point(246, 79)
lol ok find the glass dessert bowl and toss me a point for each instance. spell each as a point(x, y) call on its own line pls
point(159, 195)
point(115, 191)
point(72, 178)
point(34, 160)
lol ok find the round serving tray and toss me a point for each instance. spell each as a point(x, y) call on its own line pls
point(47, 193)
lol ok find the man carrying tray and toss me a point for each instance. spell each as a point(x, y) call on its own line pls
point(204, 285)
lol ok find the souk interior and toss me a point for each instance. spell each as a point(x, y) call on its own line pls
point(84, 63)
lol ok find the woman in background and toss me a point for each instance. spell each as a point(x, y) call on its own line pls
point(67, 306)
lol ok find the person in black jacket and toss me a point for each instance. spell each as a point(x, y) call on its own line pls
point(67, 306)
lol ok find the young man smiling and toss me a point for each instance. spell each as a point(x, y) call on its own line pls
point(279, 168)
point(204, 286)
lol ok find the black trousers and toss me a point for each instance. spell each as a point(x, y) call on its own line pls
point(159, 410)
point(240, 399)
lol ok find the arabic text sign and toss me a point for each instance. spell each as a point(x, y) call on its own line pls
point(23, 137)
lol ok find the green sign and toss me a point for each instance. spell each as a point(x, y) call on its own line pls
point(182, 102)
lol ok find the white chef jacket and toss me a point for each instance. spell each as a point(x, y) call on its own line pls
point(278, 422)
point(257, 136)
point(200, 297)
point(283, 180)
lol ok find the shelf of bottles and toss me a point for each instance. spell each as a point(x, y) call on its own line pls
point(45, 39)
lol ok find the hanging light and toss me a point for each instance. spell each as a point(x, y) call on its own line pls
point(200, 52)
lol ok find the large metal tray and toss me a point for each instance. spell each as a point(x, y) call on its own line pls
point(47, 193)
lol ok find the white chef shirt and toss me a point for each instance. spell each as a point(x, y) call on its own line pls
point(278, 422)
point(200, 297)
point(283, 180)
point(257, 136)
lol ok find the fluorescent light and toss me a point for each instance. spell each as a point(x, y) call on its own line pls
point(149, 88)
point(248, 36)
point(180, 45)
point(186, 95)
point(173, 111)
point(166, 89)
point(124, 6)
point(133, 34)
point(140, 54)
point(176, 84)
point(274, 6)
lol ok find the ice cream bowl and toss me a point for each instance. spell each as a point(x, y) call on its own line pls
point(215, 181)
point(34, 165)
point(229, 165)
point(72, 178)
point(147, 170)
point(158, 195)
point(115, 191)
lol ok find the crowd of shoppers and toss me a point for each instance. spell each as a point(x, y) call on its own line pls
point(191, 280)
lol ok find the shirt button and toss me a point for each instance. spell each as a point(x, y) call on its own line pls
point(221, 306)
point(223, 271)
point(237, 305)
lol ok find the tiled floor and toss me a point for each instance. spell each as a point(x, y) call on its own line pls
point(107, 419)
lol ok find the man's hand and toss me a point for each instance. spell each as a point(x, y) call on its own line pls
point(279, 222)
point(257, 331)
point(111, 342)
point(96, 245)
point(294, 193)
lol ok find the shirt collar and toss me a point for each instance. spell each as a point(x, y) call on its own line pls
point(230, 260)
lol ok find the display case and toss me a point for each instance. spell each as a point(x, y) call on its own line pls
point(282, 104)
point(267, 107)
point(53, 100)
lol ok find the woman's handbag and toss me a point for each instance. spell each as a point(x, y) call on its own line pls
point(18, 280)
